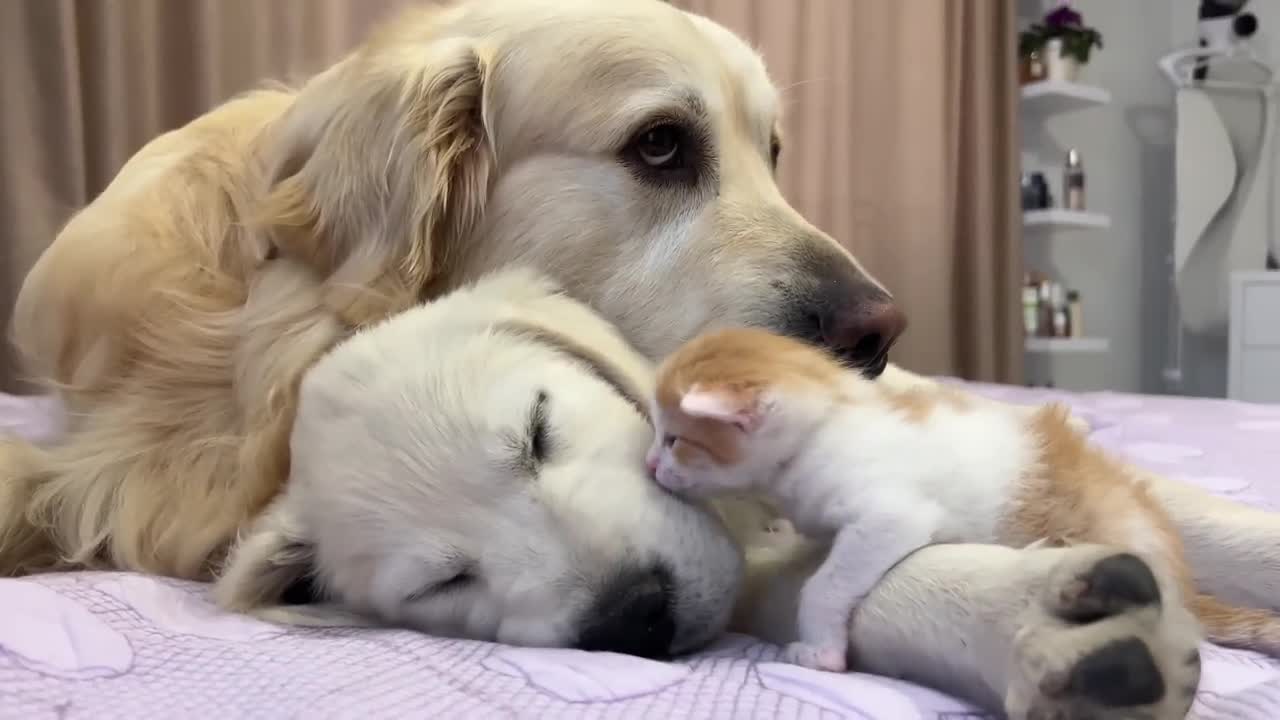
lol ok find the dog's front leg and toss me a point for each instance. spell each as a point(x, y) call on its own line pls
point(1032, 632)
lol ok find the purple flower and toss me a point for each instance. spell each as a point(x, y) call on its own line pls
point(1063, 17)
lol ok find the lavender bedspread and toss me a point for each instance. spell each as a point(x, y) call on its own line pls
point(116, 645)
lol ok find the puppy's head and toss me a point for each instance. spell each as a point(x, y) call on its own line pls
point(475, 468)
point(626, 147)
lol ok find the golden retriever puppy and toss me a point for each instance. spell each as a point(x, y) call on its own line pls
point(469, 467)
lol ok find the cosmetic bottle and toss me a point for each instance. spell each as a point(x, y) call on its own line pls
point(1073, 181)
point(1060, 323)
point(1075, 315)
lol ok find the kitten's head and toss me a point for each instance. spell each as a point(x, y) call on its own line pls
point(730, 406)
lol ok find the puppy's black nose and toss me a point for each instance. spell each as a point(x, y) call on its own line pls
point(862, 330)
point(632, 615)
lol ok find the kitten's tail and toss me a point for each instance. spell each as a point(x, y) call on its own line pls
point(1238, 627)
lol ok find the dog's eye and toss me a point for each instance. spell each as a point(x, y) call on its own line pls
point(460, 581)
point(665, 151)
point(457, 582)
point(539, 436)
point(660, 147)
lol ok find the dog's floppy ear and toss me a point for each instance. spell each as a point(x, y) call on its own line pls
point(265, 569)
point(270, 559)
point(381, 164)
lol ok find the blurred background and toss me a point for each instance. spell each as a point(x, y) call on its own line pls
point(1009, 168)
point(900, 118)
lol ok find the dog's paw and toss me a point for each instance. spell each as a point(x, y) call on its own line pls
point(830, 658)
point(779, 525)
point(1101, 643)
point(1079, 424)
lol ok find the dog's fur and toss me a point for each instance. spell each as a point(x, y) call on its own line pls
point(451, 468)
point(455, 141)
point(527, 546)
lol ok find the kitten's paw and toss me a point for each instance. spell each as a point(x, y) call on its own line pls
point(1100, 643)
point(830, 658)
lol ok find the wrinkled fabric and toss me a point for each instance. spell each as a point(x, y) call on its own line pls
point(121, 645)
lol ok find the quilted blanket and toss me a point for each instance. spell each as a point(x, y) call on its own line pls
point(117, 645)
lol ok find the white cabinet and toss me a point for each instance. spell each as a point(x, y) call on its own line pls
point(1254, 340)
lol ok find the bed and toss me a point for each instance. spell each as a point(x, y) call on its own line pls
point(118, 645)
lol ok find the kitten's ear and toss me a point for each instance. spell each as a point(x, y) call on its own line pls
point(740, 407)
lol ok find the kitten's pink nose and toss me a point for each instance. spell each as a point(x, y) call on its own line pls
point(651, 463)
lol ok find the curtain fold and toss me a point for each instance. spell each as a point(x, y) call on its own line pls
point(87, 82)
point(901, 131)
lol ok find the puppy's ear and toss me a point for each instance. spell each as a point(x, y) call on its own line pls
point(265, 564)
point(741, 407)
point(379, 167)
point(266, 568)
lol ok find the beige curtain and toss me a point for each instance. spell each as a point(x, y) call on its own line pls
point(901, 130)
point(84, 83)
point(902, 143)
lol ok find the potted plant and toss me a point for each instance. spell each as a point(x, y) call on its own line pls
point(1061, 42)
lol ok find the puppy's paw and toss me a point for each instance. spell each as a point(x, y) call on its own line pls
point(1101, 642)
point(830, 658)
point(1079, 424)
point(779, 525)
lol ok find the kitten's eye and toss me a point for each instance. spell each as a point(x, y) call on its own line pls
point(668, 440)
point(775, 151)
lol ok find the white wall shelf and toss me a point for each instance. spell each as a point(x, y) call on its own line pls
point(1065, 219)
point(1038, 101)
point(1056, 96)
point(1056, 345)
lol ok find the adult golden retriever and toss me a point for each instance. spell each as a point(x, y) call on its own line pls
point(625, 147)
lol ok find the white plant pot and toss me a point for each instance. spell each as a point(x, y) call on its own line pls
point(1057, 67)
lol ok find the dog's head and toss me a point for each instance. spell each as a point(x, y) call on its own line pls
point(475, 467)
point(626, 147)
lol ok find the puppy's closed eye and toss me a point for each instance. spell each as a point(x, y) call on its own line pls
point(534, 443)
point(461, 580)
point(539, 434)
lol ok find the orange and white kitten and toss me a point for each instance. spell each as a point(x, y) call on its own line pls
point(883, 472)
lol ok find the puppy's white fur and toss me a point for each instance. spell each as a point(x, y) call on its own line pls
point(409, 469)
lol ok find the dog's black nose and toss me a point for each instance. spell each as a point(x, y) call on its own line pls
point(632, 615)
point(862, 330)
point(832, 302)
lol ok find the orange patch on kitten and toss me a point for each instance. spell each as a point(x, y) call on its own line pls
point(741, 364)
point(1073, 492)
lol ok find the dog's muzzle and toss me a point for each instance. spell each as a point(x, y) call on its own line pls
point(833, 304)
point(632, 615)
